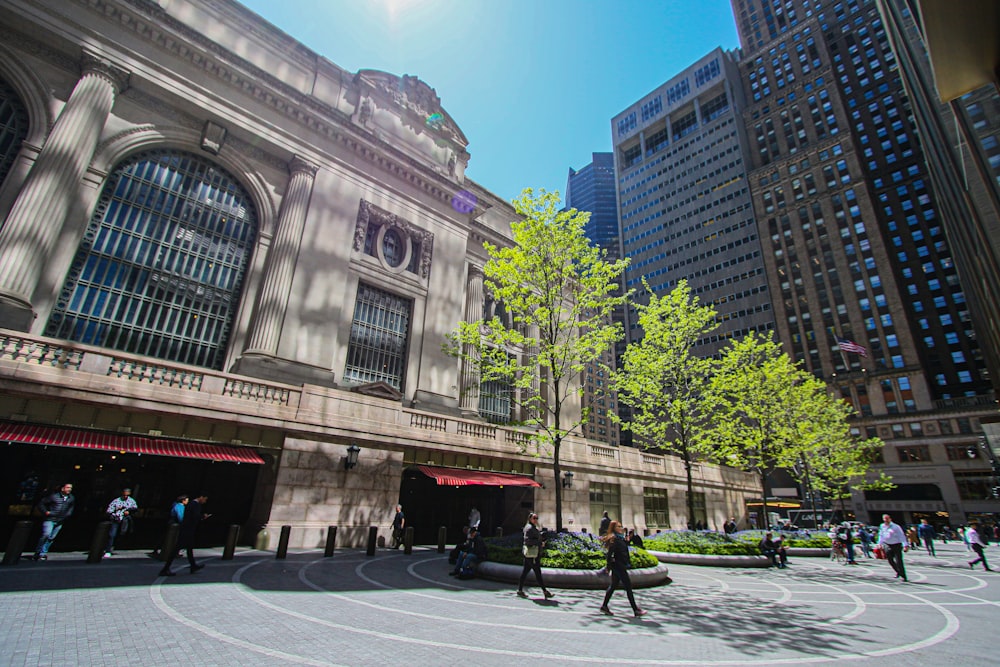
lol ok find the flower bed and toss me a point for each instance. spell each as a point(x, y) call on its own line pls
point(699, 542)
point(798, 540)
point(570, 551)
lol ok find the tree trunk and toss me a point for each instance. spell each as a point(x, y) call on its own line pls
point(555, 468)
point(763, 497)
point(690, 487)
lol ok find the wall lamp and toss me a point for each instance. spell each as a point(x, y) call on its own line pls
point(351, 459)
point(567, 480)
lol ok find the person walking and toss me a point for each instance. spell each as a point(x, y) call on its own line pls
point(893, 540)
point(605, 523)
point(55, 509)
point(965, 540)
point(866, 541)
point(618, 566)
point(120, 511)
point(927, 534)
point(193, 515)
point(398, 524)
point(532, 550)
point(977, 543)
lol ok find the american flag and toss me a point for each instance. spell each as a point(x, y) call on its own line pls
point(851, 346)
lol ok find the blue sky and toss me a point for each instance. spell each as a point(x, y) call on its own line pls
point(532, 83)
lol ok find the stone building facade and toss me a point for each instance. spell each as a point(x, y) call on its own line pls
point(224, 250)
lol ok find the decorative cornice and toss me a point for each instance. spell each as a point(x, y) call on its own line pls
point(93, 63)
point(299, 165)
point(154, 25)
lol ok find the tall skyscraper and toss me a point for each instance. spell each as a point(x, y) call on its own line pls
point(866, 291)
point(592, 189)
point(684, 200)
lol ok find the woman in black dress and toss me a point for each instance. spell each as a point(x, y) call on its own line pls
point(532, 551)
point(618, 565)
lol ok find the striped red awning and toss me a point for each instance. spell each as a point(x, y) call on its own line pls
point(124, 442)
point(460, 477)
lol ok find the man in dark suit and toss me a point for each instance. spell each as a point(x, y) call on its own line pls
point(185, 540)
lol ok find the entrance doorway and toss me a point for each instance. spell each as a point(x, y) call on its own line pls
point(428, 506)
point(28, 472)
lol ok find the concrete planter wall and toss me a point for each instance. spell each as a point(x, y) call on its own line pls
point(712, 560)
point(808, 552)
point(646, 577)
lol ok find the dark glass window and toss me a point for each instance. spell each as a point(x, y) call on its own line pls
point(13, 127)
point(160, 269)
point(379, 338)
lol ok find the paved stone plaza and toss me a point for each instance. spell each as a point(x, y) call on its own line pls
point(398, 609)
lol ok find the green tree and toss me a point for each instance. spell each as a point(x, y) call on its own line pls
point(665, 383)
point(838, 461)
point(559, 292)
point(766, 408)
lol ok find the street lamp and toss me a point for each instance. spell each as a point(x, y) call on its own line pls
point(351, 459)
point(567, 480)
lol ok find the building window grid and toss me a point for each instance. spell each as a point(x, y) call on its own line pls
point(379, 338)
point(162, 264)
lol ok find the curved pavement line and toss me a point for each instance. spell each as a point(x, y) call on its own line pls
point(531, 628)
point(156, 596)
point(549, 656)
point(859, 605)
point(951, 626)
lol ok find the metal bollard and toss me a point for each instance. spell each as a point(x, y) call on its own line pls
point(408, 540)
point(372, 538)
point(170, 541)
point(16, 543)
point(230, 549)
point(442, 536)
point(331, 541)
point(99, 542)
point(286, 532)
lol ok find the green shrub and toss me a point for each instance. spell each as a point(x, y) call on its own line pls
point(699, 542)
point(573, 551)
point(803, 539)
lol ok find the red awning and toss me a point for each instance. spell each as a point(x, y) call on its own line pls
point(123, 442)
point(460, 477)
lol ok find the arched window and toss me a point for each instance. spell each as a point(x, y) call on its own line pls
point(160, 269)
point(13, 127)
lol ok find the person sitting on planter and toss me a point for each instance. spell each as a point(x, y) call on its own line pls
point(473, 552)
point(774, 550)
point(634, 539)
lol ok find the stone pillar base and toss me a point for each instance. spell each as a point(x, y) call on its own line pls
point(15, 314)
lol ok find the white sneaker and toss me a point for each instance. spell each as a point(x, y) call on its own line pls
point(107, 554)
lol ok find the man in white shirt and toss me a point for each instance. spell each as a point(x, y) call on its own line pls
point(977, 543)
point(893, 540)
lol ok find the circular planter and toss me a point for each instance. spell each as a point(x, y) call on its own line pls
point(555, 577)
point(712, 560)
point(808, 552)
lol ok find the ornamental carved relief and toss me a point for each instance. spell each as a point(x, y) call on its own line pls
point(417, 240)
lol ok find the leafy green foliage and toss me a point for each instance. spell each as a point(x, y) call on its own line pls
point(560, 292)
point(664, 382)
point(803, 540)
point(699, 542)
point(574, 551)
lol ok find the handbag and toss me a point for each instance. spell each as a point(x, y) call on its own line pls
point(879, 552)
point(529, 552)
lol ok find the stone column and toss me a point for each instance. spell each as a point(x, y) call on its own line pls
point(51, 188)
point(469, 390)
point(279, 267)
